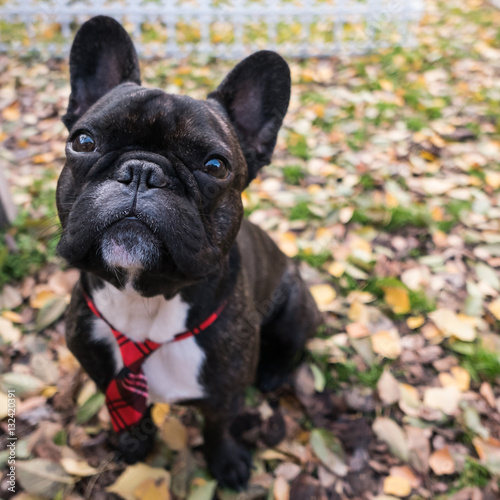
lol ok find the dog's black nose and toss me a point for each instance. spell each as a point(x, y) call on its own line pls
point(141, 174)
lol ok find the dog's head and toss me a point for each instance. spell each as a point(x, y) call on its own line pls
point(152, 183)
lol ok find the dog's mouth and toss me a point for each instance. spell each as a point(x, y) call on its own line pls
point(130, 243)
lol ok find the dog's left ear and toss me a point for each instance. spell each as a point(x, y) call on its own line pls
point(102, 56)
point(255, 95)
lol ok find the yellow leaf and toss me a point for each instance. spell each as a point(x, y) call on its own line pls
point(152, 489)
point(288, 244)
point(174, 434)
point(49, 391)
point(336, 269)
point(494, 308)
point(134, 476)
point(409, 401)
point(441, 462)
point(493, 179)
point(387, 343)
point(437, 213)
point(397, 298)
point(397, 485)
point(459, 378)
point(159, 413)
point(12, 316)
point(415, 322)
point(452, 324)
point(40, 298)
point(323, 295)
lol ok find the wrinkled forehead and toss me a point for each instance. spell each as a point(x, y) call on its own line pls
point(151, 113)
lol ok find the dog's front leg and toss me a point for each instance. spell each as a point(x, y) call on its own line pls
point(228, 460)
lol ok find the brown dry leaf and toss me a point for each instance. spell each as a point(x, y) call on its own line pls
point(420, 449)
point(487, 392)
point(489, 453)
point(281, 489)
point(397, 485)
point(388, 388)
point(324, 295)
point(441, 462)
point(387, 343)
point(174, 434)
point(445, 399)
point(397, 298)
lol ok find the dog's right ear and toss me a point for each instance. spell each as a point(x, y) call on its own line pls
point(102, 56)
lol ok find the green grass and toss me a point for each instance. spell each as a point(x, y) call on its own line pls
point(482, 364)
point(293, 174)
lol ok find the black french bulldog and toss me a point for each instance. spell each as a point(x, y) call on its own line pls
point(180, 299)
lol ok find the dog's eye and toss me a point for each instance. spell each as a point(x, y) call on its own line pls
point(83, 143)
point(216, 168)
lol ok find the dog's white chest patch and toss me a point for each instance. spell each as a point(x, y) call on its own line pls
point(172, 370)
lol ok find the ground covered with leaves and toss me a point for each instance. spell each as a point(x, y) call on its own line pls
point(385, 184)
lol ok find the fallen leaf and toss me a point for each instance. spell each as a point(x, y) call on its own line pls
point(204, 492)
point(77, 467)
point(397, 298)
point(43, 477)
point(409, 400)
point(174, 434)
point(50, 312)
point(329, 451)
point(387, 343)
point(323, 294)
point(494, 308)
point(90, 408)
point(388, 431)
point(8, 331)
point(489, 453)
point(159, 413)
point(281, 489)
point(441, 462)
point(23, 384)
point(398, 486)
point(153, 489)
point(134, 476)
point(407, 473)
point(452, 324)
point(445, 399)
point(487, 392)
point(388, 388)
point(415, 322)
point(357, 330)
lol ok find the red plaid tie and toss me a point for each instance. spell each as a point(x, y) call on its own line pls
point(127, 393)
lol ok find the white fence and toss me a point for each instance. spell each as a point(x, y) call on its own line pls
point(222, 28)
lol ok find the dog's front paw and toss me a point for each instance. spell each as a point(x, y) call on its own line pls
point(230, 464)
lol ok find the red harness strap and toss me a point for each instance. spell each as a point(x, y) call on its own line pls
point(127, 393)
